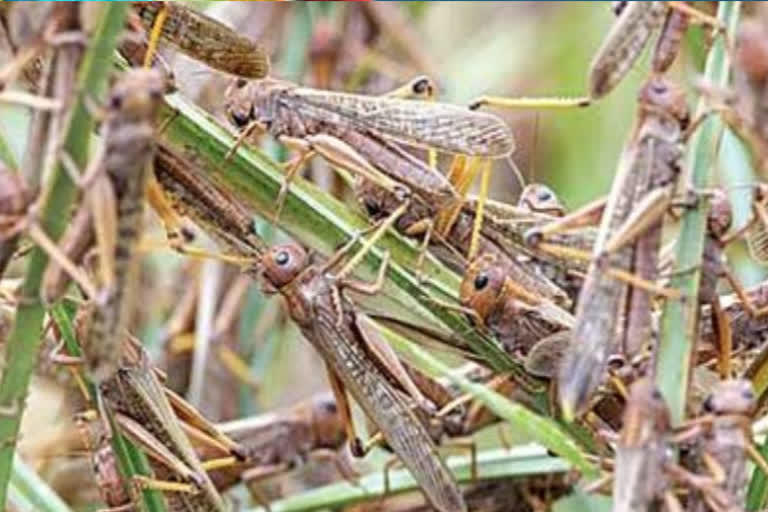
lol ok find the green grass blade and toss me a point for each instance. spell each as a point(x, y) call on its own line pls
point(492, 464)
point(25, 338)
point(33, 491)
point(581, 502)
point(757, 492)
point(679, 320)
point(6, 154)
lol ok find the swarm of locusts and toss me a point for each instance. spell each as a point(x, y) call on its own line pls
point(617, 338)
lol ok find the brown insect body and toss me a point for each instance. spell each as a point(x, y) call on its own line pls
point(610, 314)
point(428, 125)
point(488, 291)
point(135, 392)
point(642, 450)
point(103, 462)
point(192, 194)
point(670, 41)
point(329, 322)
point(129, 134)
point(285, 437)
point(623, 45)
point(728, 436)
point(206, 39)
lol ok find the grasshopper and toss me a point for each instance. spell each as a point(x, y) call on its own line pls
point(724, 442)
point(518, 320)
point(160, 421)
point(103, 463)
point(277, 441)
point(518, 229)
point(129, 147)
point(341, 335)
point(204, 38)
point(610, 314)
point(346, 341)
point(142, 411)
point(635, 24)
point(192, 194)
point(359, 133)
point(641, 450)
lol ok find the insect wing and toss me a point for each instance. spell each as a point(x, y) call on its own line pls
point(447, 128)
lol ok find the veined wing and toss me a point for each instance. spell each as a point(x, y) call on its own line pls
point(425, 124)
point(342, 348)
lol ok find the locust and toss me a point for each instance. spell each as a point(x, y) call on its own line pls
point(339, 332)
point(354, 356)
point(360, 133)
point(129, 146)
point(518, 321)
point(143, 413)
point(641, 450)
point(724, 442)
point(611, 316)
point(164, 425)
point(103, 462)
point(189, 193)
point(203, 38)
point(627, 38)
point(519, 230)
point(278, 441)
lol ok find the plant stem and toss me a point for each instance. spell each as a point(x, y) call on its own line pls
point(679, 321)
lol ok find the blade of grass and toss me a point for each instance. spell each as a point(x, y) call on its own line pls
point(130, 460)
point(679, 319)
point(33, 490)
point(492, 464)
point(25, 338)
point(321, 222)
point(757, 492)
point(581, 502)
point(6, 154)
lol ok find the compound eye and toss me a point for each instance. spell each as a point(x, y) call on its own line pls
point(481, 281)
point(544, 195)
point(240, 120)
point(282, 258)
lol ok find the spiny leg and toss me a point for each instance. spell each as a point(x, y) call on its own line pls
point(484, 184)
point(529, 102)
point(355, 260)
